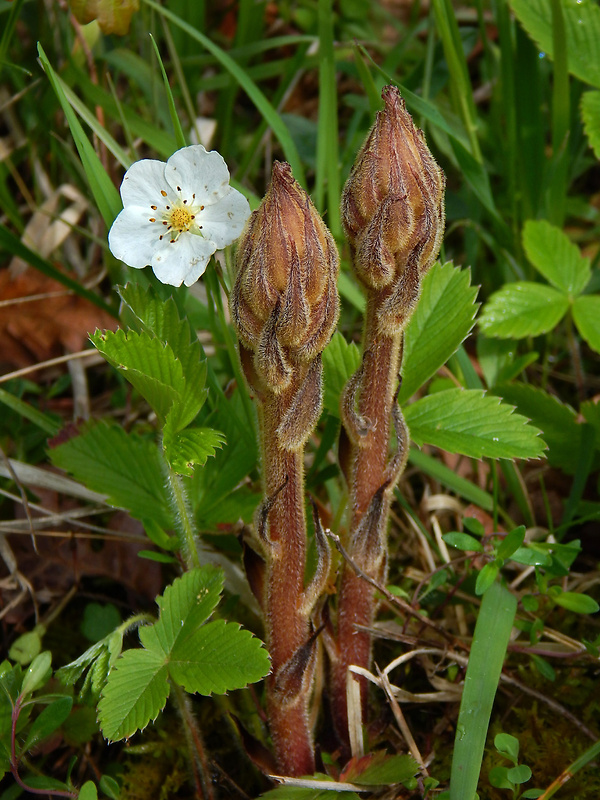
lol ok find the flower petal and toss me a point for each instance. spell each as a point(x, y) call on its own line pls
point(197, 172)
point(182, 261)
point(224, 221)
point(133, 238)
point(143, 183)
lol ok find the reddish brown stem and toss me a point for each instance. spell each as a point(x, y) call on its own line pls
point(287, 626)
point(369, 458)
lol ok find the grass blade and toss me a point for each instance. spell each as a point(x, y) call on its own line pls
point(177, 129)
point(327, 173)
point(251, 89)
point(490, 640)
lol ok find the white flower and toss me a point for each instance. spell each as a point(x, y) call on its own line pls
point(175, 215)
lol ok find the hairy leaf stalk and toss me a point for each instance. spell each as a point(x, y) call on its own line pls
point(285, 307)
point(393, 216)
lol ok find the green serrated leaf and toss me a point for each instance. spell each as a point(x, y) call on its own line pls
point(555, 257)
point(161, 319)
point(191, 447)
point(135, 693)
point(468, 422)
point(586, 313)
point(148, 364)
point(523, 309)
point(217, 658)
point(442, 320)
point(582, 30)
point(340, 361)
point(590, 113)
point(557, 422)
point(121, 465)
point(185, 605)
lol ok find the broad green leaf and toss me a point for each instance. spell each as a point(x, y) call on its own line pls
point(579, 603)
point(582, 29)
point(121, 465)
point(217, 658)
point(382, 770)
point(508, 745)
point(148, 364)
point(185, 605)
point(555, 257)
point(161, 319)
point(590, 112)
point(340, 361)
point(104, 191)
point(190, 447)
point(202, 658)
point(511, 543)
point(519, 774)
point(467, 421)
point(523, 309)
point(486, 577)
point(586, 313)
point(490, 640)
point(37, 673)
point(88, 791)
point(442, 320)
point(463, 541)
point(50, 718)
point(557, 422)
point(531, 557)
point(135, 693)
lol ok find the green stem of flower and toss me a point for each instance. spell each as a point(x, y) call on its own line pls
point(185, 526)
point(193, 736)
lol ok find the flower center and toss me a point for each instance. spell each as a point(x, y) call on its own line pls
point(177, 218)
point(180, 219)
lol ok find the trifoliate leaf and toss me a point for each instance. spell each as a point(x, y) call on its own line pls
point(555, 257)
point(582, 29)
point(586, 313)
point(202, 658)
point(340, 361)
point(590, 112)
point(442, 320)
point(557, 422)
point(523, 309)
point(216, 658)
point(135, 693)
point(191, 447)
point(121, 465)
point(468, 422)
